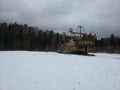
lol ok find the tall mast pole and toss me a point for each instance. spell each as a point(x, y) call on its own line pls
point(80, 30)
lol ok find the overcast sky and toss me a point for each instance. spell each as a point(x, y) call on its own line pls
point(97, 16)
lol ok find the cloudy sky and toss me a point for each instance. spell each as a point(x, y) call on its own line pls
point(97, 16)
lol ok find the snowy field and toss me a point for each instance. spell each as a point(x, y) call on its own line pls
point(22, 70)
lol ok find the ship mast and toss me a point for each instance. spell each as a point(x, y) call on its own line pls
point(80, 28)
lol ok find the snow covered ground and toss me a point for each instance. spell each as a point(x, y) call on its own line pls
point(22, 70)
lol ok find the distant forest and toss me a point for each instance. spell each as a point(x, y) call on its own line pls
point(15, 36)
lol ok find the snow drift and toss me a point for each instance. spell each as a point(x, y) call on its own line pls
point(22, 70)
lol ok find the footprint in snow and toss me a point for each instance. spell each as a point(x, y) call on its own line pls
point(36, 81)
point(78, 82)
point(113, 86)
point(74, 88)
point(72, 64)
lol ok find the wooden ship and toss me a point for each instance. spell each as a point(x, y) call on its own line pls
point(79, 42)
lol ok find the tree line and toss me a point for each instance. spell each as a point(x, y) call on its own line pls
point(109, 44)
point(15, 36)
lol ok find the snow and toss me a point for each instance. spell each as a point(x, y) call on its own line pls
point(23, 70)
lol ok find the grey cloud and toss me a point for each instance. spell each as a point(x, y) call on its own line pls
point(98, 16)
